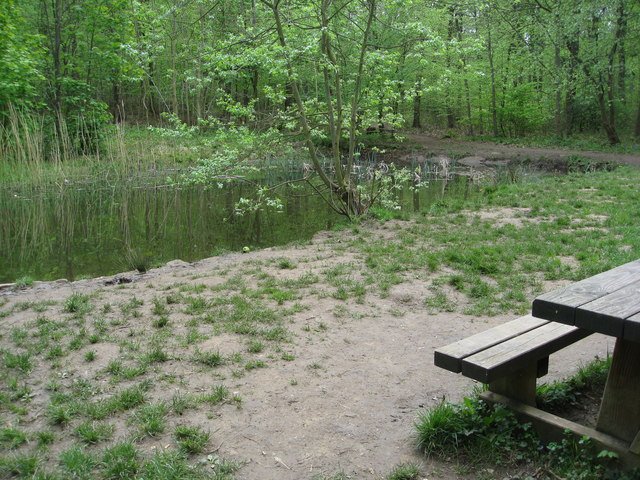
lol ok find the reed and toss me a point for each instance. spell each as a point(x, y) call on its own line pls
point(39, 149)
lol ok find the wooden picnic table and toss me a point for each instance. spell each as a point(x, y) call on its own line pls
point(607, 303)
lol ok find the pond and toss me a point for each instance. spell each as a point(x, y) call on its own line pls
point(85, 229)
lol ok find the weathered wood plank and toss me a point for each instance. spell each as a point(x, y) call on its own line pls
point(519, 385)
point(631, 329)
point(450, 357)
point(607, 314)
point(559, 305)
point(620, 409)
point(507, 357)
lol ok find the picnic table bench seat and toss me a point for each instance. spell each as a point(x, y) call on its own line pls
point(511, 356)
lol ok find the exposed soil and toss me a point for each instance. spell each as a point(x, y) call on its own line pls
point(495, 151)
point(348, 401)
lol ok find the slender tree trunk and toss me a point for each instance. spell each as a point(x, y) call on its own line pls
point(573, 46)
point(174, 73)
point(607, 116)
point(417, 104)
point(558, 112)
point(451, 118)
point(621, 33)
point(492, 71)
point(55, 52)
point(637, 129)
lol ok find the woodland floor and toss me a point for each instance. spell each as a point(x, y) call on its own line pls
point(451, 146)
point(361, 371)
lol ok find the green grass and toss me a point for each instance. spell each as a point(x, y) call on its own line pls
point(120, 461)
point(76, 462)
point(210, 359)
point(78, 304)
point(481, 435)
point(191, 440)
point(151, 419)
point(11, 438)
point(94, 432)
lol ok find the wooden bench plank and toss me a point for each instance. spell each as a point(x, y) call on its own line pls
point(450, 357)
point(509, 356)
point(559, 305)
point(607, 314)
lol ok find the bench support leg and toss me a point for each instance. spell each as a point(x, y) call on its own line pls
point(620, 410)
point(520, 385)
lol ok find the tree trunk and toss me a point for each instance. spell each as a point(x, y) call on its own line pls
point(558, 112)
point(573, 46)
point(494, 109)
point(607, 116)
point(417, 103)
point(637, 131)
point(621, 33)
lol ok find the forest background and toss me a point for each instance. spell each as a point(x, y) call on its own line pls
point(499, 68)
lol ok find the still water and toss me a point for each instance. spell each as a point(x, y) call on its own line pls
point(92, 229)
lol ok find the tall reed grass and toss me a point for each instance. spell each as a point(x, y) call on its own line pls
point(34, 152)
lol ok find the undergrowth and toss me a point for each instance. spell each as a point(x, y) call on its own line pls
point(481, 435)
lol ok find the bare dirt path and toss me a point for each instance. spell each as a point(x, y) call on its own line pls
point(347, 402)
point(448, 146)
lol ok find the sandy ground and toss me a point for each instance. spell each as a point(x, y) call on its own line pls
point(349, 400)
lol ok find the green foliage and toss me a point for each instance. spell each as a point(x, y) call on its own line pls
point(94, 432)
point(560, 395)
point(191, 439)
point(77, 303)
point(406, 471)
point(120, 461)
point(11, 438)
point(485, 435)
point(489, 434)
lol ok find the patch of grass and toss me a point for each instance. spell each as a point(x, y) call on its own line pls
point(253, 364)
point(94, 432)
point(156, 355)
point(45, 438)
point(129, 398)
point(181, 402)
point(12, 438)
point(439, 302)
point(196, 305)
point(23, 282)
point(285, 264)
point(120, 461)
point(480, 432)
point(484, 435)
point(172, 465)
point(78, 304)
point(174, 298)
point(405, 471)
point(191, 440)
point(151, 419)
point(560, 395)
point(131, 307)
point(218, 394)
point(159, 308)
point(77, 463)
point(22, 465)
point(255, 346)
point(161, 322)
point(210, 359)
point(19, 361)
point(62, 414)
